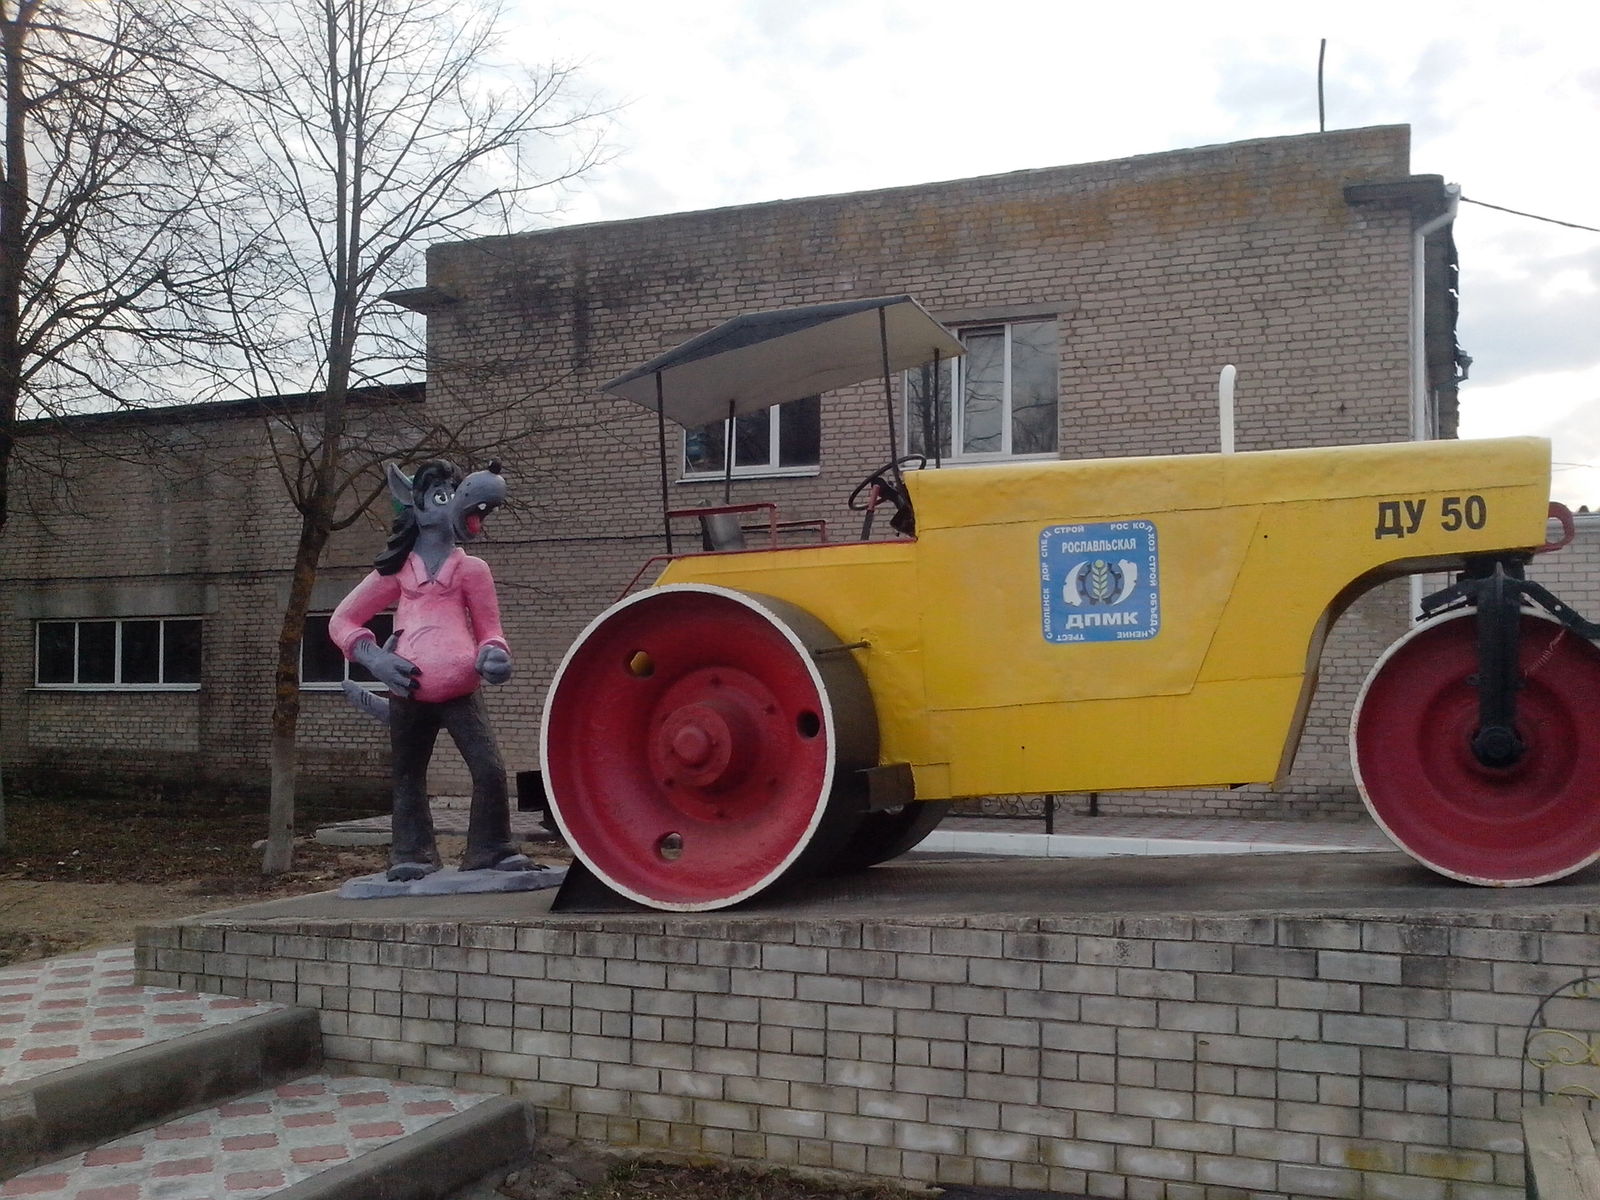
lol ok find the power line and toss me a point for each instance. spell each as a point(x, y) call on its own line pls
point(1530, 216)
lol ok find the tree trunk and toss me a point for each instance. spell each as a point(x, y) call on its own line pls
point(278, 856)
point(15, 202)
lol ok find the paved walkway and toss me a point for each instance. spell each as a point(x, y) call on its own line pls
point(254, 1146)
point(61, 1012)
point(1166, 837)
point(64, 1011)
point(1208, 835)
point(449, 820)
point(1203, 829)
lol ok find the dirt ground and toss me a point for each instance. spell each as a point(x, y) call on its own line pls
point(41, 918)
point(44, 917)
point(83, 869)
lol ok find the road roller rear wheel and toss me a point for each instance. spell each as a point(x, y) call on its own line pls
point(1410, 744)
point(888, 833)
point(691, 741)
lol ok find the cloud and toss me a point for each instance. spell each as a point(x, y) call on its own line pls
point(1563, 406)
point(1269, 91)
point(1540, 315)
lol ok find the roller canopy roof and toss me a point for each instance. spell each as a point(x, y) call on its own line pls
point(760, 359)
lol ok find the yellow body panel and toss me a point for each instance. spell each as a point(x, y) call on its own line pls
point(1240, 562)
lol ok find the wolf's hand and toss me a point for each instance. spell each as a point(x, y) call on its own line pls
point(494, 664)
point(398, 674)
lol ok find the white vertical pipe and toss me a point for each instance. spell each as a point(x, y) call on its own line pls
point(1225, 406)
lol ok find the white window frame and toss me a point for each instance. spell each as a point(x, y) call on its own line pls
point(325, 685)
point(957, 396)
point(766, 470)
point(116, 684)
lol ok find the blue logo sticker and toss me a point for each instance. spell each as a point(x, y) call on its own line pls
point(1100, 582)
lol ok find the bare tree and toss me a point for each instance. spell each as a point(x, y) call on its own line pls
point(114, 176)
point(115, 166)
point(382, 125)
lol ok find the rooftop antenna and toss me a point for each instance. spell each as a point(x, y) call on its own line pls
point(1322, 122)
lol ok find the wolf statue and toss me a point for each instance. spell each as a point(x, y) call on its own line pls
point(447, 640)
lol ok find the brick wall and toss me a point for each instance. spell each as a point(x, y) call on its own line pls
point(1159, 269)
point(177, 519)
point(1152, 1058)
point(1573, 573)
point(121, 726)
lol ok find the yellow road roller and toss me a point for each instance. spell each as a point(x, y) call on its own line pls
point(1070, 626)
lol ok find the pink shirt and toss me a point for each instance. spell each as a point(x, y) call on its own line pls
point(443, 620)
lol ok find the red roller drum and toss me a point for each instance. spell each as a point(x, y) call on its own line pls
point(694, 740)
point(1410, 745)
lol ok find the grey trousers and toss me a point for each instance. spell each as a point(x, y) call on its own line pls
point(413, 728)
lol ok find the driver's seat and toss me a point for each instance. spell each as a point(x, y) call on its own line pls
point(721, 531)
point(722, 526)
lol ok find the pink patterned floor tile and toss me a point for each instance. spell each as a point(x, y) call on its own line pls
point(64, 1011)
point(256, 1145)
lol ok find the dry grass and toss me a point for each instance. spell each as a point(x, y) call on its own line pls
point(147, 835)
point(642, 1179)
point(84, 867)
point(666, 1181)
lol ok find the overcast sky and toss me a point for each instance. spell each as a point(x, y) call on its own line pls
point(741, 101)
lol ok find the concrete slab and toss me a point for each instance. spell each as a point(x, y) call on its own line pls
point(1065, 845)
point(337, 835)
point(451, 881)
point(1310, 883)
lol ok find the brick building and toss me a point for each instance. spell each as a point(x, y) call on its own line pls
point(143, 574)
point(1097, 303)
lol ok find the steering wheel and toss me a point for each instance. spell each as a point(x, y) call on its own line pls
point(884, 485)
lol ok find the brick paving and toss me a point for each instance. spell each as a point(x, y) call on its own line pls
point(58, 1013)
point(63, 1011)
point(253, 1146)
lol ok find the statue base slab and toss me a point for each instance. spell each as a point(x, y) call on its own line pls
point(451, 882)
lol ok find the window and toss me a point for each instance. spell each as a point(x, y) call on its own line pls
point(156, 652)
point(1005, 395)
point(321, 664)
point(774, 441)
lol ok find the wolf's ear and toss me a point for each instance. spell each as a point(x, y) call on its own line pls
point(399, 485)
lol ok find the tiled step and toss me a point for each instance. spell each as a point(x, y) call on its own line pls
point(87, 1055)
point(322, 1137)
point(65, 1011)
point(218, 1092)
point(86, 1104)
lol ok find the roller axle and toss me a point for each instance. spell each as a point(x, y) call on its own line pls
point(1496, 590)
